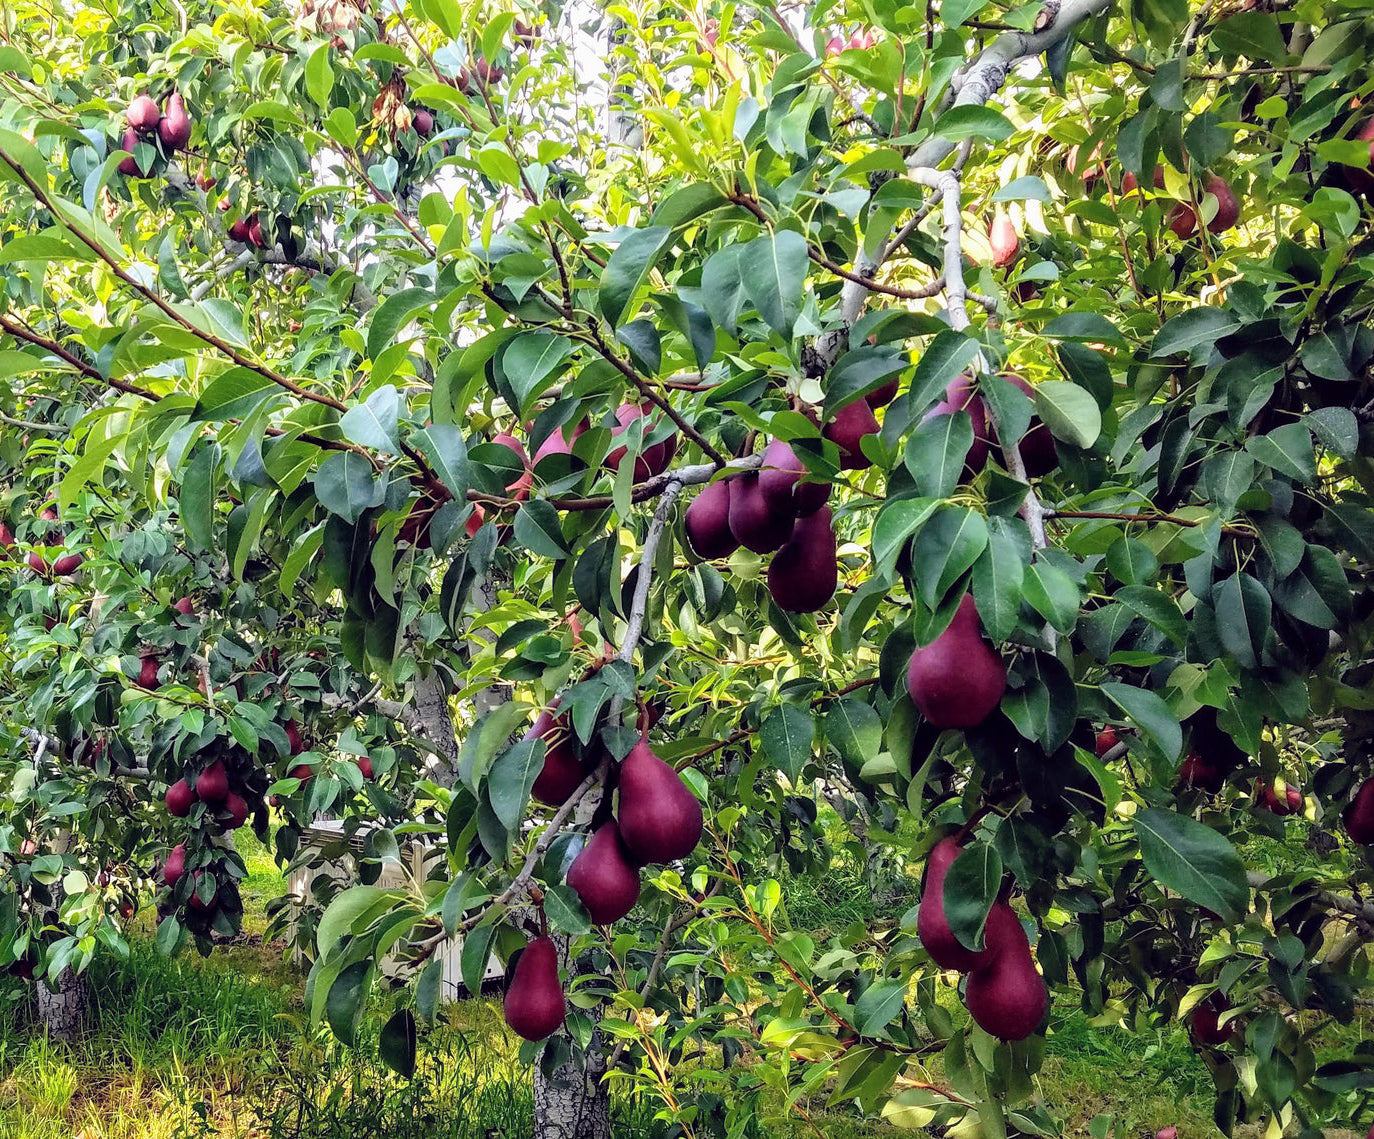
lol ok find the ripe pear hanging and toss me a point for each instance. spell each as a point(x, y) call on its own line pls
point(781, 485)
point(946, 950)
point(604, 876)
point(660, 819)
point(1359, 816)
point(534, 1004)
point(708, 522)
point(957, 681)
point(1007, 997)
point(212, 784)
point(803, 574)
point(756, 525)
point(846, 430)
point(562, 772)
point(180, 799)
point(174, 128)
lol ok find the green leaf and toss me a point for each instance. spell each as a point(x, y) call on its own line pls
point(565, 911)
point(1191, 329)
point(997, 579)
point(1158, 608)
point(532, 361)
point(973, 121)
point(773, 271)
point(397, 1045)
point(946, 356)
point(347, 996)
point(510, 780)
point(345, 486)
point(1053, 594)
point(945, 550)
point(1148, 711)
point(443, 446)
point(472, 962)
point(344, 910)
point(199, 490)
point(374, 422)
point(1191, 859)
point(935, 453)
point(971, 887)
point(538, 529)
point(485, 738)
point(1070, 412)
point(393, 314)
point(319, 75)
point(859, 372)
point(627, 267)
point(786, 734)
point(1288, 450)
point(687, 204)
point(1031, 188)
point(722, 287)
point(854, 729)
point(1244, 611)
point(232, 394)
point(878, 1006)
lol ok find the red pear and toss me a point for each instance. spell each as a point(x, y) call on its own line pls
point(237, 807)
point(946, 950)
point(147, 673)
point(185, 606)
point(129, 167)
point(175, 866)
point(1359, 815)
point(653, 460)
point(961, 395)
point(847, 428)
point(365, 767)
point(1205, 1018)
point(756, 525)
point(6, 537)
point(707, 522)
point(1228, 208)
point(534, 1004)
point(780, 482)
point(604, 877)
point(803, 574)
point(180, 799)
point(1106, 740)
point(957, 681)
point(1006, 997)
point(1195, 771)
point(423, 122)
point(174, 129)
point(301, 771)
point(67, 564)
point(562, 772)
point(660, 819)
point(560, 441)
point(241, 229)
point(1005, 241)
point(212, 784)
point(143, 115)
point(294, 739)
point(37, 562)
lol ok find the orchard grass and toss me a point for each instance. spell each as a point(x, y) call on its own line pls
point(221, 1046)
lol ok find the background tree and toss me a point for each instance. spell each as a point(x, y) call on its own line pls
point(358, 385)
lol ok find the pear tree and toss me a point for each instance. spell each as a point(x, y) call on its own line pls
point(618, 461)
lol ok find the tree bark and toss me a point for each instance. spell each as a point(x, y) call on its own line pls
point(574, 1102)
point(63, 1012)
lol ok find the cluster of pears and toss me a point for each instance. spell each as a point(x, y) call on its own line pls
point(656, 819)
point(171, 127)
point(1183, 217)
point(653, 460)
point(779, 509)
point(1036, 445)
point(210, 786)
point(1006, 996)
point(64, 566)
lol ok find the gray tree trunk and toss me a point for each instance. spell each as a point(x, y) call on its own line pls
point(63, 1012)
point(573, 1102)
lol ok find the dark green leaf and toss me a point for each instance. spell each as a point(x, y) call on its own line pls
point(397, 1045)
point(971, 887)
point(1244, 610)
point(374, 422)
point(773, 270)
point(1150, 714)
point(538, 529)
point(347, 996)
point(786, 734)
point(627, 268)
point(1183, 855)
point(345, 486)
